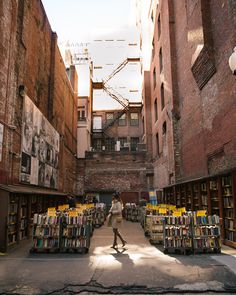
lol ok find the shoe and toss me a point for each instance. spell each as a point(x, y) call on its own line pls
point(124, 243)
point(114, 246)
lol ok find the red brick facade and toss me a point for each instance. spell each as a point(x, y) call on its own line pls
point(30, 57)
point(197, 38)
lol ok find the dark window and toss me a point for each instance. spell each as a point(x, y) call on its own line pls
point(134, 119)
point(162, 96)
point(134, 142)
point(122, 120)
point(110, 144)
point(97, 144)
point(160, 60)
point(164, 128)
point(122, 140)
point(154, 78)
point(159, 26)
point(157, 145)
point(81, 115)
point(156, 110)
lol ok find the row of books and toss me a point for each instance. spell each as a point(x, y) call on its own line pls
point(74, 243)
point(45, 219)
point(178, 220)
point(228, 202)
point(206, 243)
point(80, 219)
point(206, 231)
point(210, 219)
point(229, 224)
point(179, 231)
point(74, 231)
point(45, 243)
point(177, 243)
point(49, 231)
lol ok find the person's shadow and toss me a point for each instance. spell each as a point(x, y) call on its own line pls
point(123, 258)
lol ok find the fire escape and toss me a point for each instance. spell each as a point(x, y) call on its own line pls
point(114, 94)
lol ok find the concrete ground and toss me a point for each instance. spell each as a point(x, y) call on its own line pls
point(140, 269)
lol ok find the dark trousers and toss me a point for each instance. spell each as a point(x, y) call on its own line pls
point(117, 234)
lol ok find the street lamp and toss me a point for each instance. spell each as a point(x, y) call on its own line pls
point(232, 61)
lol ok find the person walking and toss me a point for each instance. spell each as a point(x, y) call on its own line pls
point(116, 220)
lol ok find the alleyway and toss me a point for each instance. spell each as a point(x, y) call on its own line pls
point(140, 269)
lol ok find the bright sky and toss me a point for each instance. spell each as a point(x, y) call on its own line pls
point(88, 20)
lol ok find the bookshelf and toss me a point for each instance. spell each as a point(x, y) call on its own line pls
point(132, 212)
point(46, 233)
point(75, 233)
point(177, 234)
point(99, 215)
point(23, 221)
point(182, 195)
point(156, 229)
point(189, 196)
point(214, 197)
point(178, 198)
point(206, 234)
point(228, 210)
point(12, 225)
point(204, 195)
point(196, 197)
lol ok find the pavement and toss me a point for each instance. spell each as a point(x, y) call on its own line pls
point(140, 268)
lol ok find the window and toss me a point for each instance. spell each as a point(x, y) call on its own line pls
point(122, 120)
point(122, 141)
point(97, 144)
point(110, 144)
point(162, 97)
point(134, 142)
point(164, 128)
point(109, 117)
point(159, 26)
point(81, 114)
point(160, 60)
point(134, 119)
point(154, 78)
point(157, 145)
point(156, 110)
point(97, 123)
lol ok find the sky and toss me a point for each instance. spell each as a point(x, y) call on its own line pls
point(106, 21)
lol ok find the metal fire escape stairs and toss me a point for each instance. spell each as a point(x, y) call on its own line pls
point(114, 94)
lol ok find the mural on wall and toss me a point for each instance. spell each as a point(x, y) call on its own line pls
point(40, 148)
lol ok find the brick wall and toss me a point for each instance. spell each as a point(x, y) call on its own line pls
point(207, 121)
point(33, 60)
point(113, 171)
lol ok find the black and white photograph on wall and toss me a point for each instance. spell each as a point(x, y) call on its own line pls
point(34, 171)
point(41, 174)
point(40, 148)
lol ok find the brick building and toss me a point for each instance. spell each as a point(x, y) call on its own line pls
point(38, 117)
point(193, 108)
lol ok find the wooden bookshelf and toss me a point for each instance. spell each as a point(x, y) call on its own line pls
point(197, 204)
point(189, 196)
point(228, 210)
point(12, 223)
point(204, 195)
point(214, 197)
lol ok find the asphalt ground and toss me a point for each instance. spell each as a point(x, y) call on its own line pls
point(140, 268)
